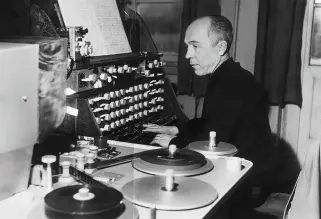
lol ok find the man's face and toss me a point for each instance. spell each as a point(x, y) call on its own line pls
point(202, 54)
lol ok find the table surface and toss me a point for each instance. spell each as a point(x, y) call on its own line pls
point(221, 178)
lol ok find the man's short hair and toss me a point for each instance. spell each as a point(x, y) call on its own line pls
point(222, 27)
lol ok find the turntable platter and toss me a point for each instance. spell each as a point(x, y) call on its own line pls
point(221, 149)
point(188, 193)
point(184, 162)
point(84, 202)
point(38, 211)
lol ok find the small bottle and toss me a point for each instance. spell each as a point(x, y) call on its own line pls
point(65, 179)
point(94, 150)
point(80, 162)
point(48, 159)
point(90, 164)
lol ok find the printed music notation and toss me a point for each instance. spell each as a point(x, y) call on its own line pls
point(105, 28)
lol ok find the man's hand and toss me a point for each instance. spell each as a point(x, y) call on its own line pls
point(168, 130)
point(162, 139)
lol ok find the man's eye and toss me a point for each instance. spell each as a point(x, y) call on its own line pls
point(195, 46)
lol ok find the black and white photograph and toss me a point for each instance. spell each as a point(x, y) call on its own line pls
point(160, 109)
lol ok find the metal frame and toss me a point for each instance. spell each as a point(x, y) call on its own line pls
point(170, 64)
point(315, 8)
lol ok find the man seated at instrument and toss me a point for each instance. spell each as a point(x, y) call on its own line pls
point(235, 105)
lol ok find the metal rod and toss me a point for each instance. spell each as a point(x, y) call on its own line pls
point(152, 213)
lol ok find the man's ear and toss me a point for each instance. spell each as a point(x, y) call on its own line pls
point(222, 47)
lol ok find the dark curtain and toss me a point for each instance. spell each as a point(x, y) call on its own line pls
point(278, 51)
point(188, 82)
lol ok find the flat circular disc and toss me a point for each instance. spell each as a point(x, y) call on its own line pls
point(62, 201)
point(188, 193)
point(38, 211)
point(221, 149)
point(184, 163)
point(130, 211)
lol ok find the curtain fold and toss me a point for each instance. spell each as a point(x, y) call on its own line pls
point(188, 82)
point(278, 50)
point(185, 72)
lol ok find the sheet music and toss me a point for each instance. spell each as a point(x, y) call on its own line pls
point(105, 28)
point(75, 12)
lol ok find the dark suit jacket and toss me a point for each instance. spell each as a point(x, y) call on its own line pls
point(235, 106)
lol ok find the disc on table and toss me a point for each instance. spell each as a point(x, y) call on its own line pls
point(38, 211)
point(131, 211)
point(188, 193)
point(84, 201)
point(184, 162)
point(221, 149)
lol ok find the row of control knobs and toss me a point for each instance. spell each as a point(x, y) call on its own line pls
point(110, 121)
point(129, 97)
point(104, 102)
point(124, 106)
point(132, 132)
point(109, 74)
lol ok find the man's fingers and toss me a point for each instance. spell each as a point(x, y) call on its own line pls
point(168, 130)
point(159, 144)
point(160, 130)
point(159, 140)
point(150, 125)
point(158, 137)
point(151, 130)
point(156, 140)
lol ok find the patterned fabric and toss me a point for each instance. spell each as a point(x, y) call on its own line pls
point(52, 84)
point(41, 24)
point(52, 71)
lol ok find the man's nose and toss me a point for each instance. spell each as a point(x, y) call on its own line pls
point(189, 53)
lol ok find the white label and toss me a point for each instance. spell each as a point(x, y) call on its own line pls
point(69, 91)
point(72, 111)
